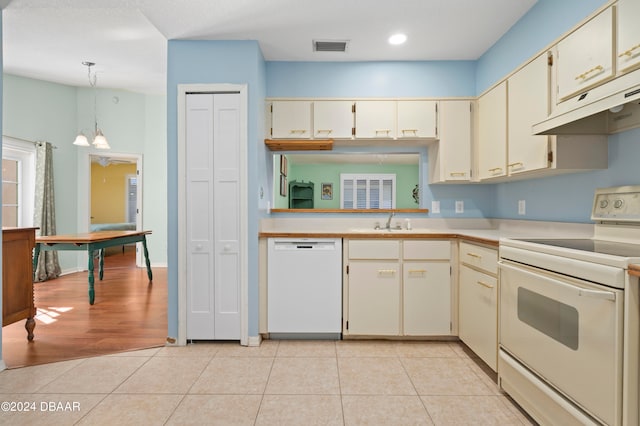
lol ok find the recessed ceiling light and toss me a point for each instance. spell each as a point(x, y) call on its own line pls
point(397, 39)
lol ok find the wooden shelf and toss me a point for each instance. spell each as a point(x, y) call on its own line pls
point(299, 144)
point(349, 210)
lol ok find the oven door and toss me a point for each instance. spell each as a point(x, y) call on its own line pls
point(568, 332)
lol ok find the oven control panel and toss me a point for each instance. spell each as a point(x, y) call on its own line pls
point(619, 204)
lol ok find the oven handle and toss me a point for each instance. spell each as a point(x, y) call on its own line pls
point(596, 294)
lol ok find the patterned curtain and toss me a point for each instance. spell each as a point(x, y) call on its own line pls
point(44, 215)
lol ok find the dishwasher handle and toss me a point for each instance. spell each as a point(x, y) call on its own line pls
point(304, 245)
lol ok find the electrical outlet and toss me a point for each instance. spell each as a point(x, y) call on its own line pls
point(435, 206)
point(459, 206)
point(522, 208)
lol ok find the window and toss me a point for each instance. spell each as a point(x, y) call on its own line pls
point(18, 182)
point(367, 191)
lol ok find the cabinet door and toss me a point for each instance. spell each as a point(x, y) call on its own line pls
point(454, 146)
point(528, 103)
point(332, 119)
point(417, 119)
point(585, 57)
point(376, 119)
point(291, 120)
point(374, 298)
point(478, 307)
point(426, 298)
point(628, 35)
point(492, 132)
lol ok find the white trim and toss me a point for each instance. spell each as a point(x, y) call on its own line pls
point(183, 90)
point(25, 153)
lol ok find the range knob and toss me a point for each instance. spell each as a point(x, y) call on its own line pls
point(618, 203)
point(604, 204)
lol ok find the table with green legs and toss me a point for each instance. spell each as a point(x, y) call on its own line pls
point(91, 242)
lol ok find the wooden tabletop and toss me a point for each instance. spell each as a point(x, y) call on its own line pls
point(89, 237)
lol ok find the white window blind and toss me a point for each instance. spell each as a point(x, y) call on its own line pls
point(367, 191)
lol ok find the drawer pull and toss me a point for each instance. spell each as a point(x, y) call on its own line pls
point(629, 52)
point(413, 131)
point(483, 284)
point(386, 271)
point(454, 174)
point(496, 169)
point(297, 131)
point(328, 131)
point(474, 255)
point(385, 131)
point(517, 164)
point(584, 75)
point(417, 271)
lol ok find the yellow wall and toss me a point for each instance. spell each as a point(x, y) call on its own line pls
point(108, 192)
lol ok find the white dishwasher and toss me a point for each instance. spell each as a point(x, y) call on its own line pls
point(304, 288)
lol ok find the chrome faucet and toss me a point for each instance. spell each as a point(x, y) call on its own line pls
point(388, 226)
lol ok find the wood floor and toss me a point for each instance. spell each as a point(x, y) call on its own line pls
point(129, 313)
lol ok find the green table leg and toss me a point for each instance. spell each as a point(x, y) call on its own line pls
point(146, 258)
point(92, 293)
point(36, 255)
point(101, 270)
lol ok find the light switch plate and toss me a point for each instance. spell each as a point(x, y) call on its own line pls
point(459, 206)
point(435, 206)
point(522, 208)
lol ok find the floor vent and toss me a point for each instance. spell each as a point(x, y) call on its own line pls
point(330, 45)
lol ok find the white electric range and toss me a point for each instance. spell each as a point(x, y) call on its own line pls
point(569, 319)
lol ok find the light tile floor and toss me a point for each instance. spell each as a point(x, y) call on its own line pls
point(279, 382)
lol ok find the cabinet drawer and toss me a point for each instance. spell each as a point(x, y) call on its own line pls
point(426, 249)
point(374, 249)
point(481, 257)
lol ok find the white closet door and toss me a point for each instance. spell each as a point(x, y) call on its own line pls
point(212, 151)
point(226, 213)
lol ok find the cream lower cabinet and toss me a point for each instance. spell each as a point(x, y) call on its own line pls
point(478, 301)
point(398, 287)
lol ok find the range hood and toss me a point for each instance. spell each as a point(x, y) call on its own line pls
point(612, 107)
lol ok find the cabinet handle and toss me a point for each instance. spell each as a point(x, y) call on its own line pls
point(474, 255)
point(483, 284)
point(417, 271)
point(296, 131)
point(454, 174)
point(386, 131)
point(584, 75)
point(517, 164)
point(495, 169)
point(386, 271)
point(629, 51)
point(328, 131)
point(414, 131)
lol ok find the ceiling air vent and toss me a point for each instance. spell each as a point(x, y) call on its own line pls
point(330, 45)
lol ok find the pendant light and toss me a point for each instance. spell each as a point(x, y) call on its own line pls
point(99, 140)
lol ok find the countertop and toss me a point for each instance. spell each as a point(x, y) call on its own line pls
point(485, 231)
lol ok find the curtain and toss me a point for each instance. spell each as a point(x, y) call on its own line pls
point(44, 215)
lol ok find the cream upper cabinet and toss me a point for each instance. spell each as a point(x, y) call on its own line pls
point(332, 119)
point(492, 133)
point(450, 157)
point(376, 119)
point(528, 103)
point(417, 119)
point(291, 119)
point(585, 57)
point(628, 35)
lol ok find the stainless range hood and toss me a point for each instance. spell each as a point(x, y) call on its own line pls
point(597, 111)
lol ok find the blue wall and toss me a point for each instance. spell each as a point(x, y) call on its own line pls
point(199, 62)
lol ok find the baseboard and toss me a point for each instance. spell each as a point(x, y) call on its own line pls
point(254, 340)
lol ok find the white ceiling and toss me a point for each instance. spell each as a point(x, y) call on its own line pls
point(127, 39)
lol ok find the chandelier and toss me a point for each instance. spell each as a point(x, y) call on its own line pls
point(99, 140)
